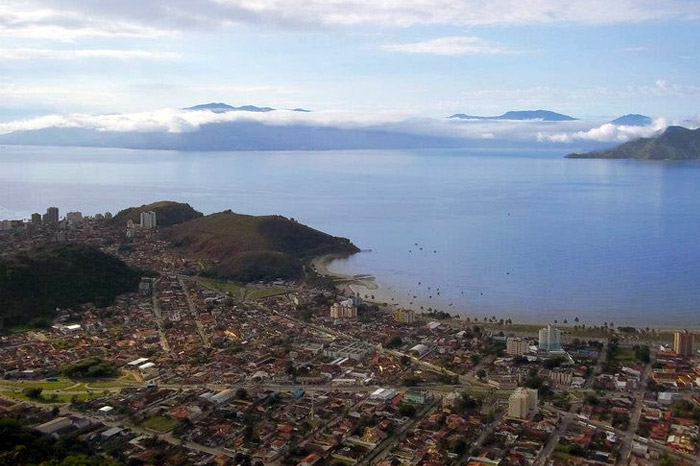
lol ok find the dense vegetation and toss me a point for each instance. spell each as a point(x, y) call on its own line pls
point(168, 213)
point(248, 248)
point(676, 143)
point(34, 282)
point(90, 368)
point(22, 446)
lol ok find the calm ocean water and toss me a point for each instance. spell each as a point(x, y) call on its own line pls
point(524, 235)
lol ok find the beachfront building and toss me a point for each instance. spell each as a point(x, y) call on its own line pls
point(516, 346)
point(404, 316)
point(521, 402)
point(344, 310)
point(683, 343)
point(550, 339)
point(148, 220)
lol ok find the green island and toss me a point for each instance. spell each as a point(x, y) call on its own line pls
point(675, 143)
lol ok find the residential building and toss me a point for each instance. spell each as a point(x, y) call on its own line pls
point(550, 339)
point(517, 346)
point(521, 402)
point(148, 220)
point(683, 343)
point(74, 218)
point(344, 310)
point(51, 216)
point(405, 316)
point(36, 219)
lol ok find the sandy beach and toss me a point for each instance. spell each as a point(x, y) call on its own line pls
point(361, 284)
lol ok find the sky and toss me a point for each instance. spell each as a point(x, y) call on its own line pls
point(592, 59)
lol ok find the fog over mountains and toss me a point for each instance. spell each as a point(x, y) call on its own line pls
point(219, 126)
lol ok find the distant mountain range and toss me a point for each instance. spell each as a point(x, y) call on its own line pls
point(220, 107)
point(676, 143)
point(252, 131)
point(234, 136)
point(542, 115)
point(632, 119)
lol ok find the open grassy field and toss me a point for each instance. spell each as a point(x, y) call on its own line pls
point(237, 290)
point(265, 292)
point(160, 423)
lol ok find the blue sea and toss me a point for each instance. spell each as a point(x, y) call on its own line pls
point(526, 235)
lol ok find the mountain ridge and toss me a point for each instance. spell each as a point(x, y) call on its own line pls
point(544, 115)
point(675, 143)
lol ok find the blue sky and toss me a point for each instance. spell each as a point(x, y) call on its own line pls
point(592, 59)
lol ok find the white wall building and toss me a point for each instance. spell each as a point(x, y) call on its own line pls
point(521, 402)
point(517, 346)
point(148, 220)
point(550, 339)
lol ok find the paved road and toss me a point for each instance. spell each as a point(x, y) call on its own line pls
point(159, 317)
point(381, 450)
point(195, 314)
point(626, 449)
point(548, 449)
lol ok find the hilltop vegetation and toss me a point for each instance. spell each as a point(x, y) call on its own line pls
point(676, 143)
point(248, 248)
point(34, 282)
point(168, 213)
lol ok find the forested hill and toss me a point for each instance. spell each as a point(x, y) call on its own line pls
point(34, 282)
point(676, 143)
point(249, 248)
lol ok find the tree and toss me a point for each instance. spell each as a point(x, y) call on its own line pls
point(407, 410)
point(481, 374)
point(242, 394)
point(33, 393)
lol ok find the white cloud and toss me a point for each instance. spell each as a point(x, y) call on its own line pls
point(450, 46)
point(607, 133)
point(178, 121)
point(55, 54)
point(69, 19)
point(663, 88)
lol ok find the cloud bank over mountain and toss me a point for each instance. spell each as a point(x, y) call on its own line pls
point(170, 122)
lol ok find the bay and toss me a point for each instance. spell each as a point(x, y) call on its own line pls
point(526, 235)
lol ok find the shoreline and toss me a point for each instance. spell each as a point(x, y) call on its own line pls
point(354, 283)
point(364, 284)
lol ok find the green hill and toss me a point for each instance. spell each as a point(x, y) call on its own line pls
point(168, 213)
point(248, 248)
point(33, 283)
point(676, 143)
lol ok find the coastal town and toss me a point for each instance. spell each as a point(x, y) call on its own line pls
point(195, 370)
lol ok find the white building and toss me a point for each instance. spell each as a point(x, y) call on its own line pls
point(148, 220)
point(550, 339)
point(344, 310)
point(517, 346)
point(521, 402)
point(74, 218)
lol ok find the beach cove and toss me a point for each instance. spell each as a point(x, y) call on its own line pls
point(525, 235)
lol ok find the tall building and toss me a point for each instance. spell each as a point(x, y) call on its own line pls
point(550, 339)
point(36, 219)
point(148, 220)
point(74, 218)
point(51, 216)
point(517, 346)
point(683, 343)
point(521, 402)
point(344, 310)
point(405, 316)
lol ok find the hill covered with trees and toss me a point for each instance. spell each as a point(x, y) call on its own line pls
point(34, 282)
point(250, 248)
